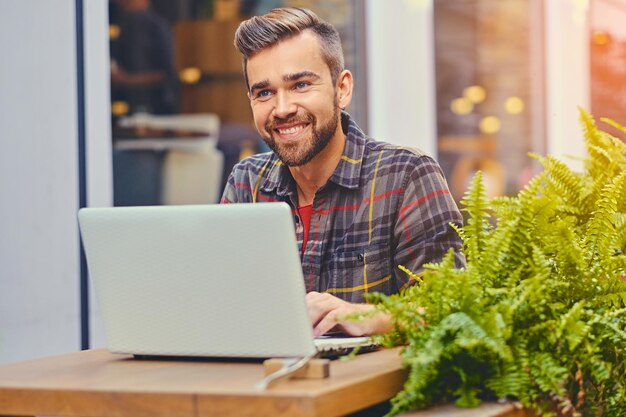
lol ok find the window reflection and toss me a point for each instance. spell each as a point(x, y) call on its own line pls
point(142, 61)
point(180, 113)
point(489, 76)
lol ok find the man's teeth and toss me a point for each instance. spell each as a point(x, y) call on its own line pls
point(290, 130)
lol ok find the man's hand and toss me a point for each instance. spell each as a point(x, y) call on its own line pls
point(328, 312)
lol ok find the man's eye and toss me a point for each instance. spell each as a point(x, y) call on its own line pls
point(301, 84)
point(263, 95)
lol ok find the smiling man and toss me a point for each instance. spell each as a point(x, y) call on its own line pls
point(361, 207)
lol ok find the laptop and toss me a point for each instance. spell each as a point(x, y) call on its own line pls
point(201, 281)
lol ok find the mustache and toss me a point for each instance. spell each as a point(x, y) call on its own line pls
point(271, 124)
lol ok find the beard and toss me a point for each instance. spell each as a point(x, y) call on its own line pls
point(304, 150)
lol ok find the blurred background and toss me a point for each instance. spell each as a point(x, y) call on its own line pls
point(142, 102)
point(489, 82)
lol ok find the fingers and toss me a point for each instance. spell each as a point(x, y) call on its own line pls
point(319, 305)
point(327, 323)
point(328, 312)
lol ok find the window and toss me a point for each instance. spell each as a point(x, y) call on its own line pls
point(489, 75)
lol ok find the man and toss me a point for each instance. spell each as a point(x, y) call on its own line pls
point(361, 207)
point(142, 71)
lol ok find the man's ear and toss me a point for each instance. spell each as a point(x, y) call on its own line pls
point(345, 83)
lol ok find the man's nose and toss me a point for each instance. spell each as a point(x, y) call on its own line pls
point(285, 105)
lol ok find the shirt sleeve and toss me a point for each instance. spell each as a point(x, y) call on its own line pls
point(423, 233)
point(230, 194)
point(241, 182)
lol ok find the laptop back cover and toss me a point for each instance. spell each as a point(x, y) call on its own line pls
point(212, 280)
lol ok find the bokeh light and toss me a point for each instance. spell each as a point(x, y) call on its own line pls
point(490, 125)
point(600, 37)
point(461, 106)
point(114, 32)
point(475, 93)
point(119, 108)
point(514, 105)
point(190, 75)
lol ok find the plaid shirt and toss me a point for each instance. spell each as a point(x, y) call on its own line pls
point(384, 206)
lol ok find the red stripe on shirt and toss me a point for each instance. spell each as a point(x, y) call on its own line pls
point(366, 200)
point(344, 208)
point(266, 199)
point(243, 185)
point(384, 195)
point(422, 199)
point(406, 233)
point(417, 202)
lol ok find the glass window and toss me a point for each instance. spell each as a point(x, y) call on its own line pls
point(608, 61)
point(489, 74)
point(174, 72)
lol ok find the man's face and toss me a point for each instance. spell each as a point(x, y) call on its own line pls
point(293, 98)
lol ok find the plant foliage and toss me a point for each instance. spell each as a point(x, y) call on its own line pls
point(538, 314)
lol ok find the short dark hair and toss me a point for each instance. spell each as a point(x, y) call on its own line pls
point(260, 32)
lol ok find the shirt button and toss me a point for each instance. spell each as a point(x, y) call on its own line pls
point(360, 257)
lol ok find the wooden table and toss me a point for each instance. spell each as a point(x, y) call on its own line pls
point(97, 383)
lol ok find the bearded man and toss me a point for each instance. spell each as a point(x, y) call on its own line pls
point(361, 207)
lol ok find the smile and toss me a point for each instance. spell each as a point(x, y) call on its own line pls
point(290, 130)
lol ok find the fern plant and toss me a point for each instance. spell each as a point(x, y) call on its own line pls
point(538, 314)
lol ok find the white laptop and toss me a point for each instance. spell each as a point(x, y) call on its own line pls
point(202, 280)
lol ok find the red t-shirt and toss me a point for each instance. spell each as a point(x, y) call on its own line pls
point(305, 217)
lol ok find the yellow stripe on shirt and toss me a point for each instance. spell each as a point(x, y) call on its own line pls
point(372, 193)
point(350, 160)
point(358, 287)
point(258, 180)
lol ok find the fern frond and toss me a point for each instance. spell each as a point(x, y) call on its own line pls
point(621, 197)
point(615, 299)
point(572, 327)
point(548, 373)
point(564, 183)
point(512, 379)
point(616, 125)
point(503, 206)
point(475, 203)
point(618, 148)
point(599, 165)
point(590, 129)
point(600, 229)
point(501, 247)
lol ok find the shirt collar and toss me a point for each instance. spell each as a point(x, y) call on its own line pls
point(347, 173)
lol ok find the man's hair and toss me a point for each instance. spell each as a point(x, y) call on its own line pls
point(261, 32)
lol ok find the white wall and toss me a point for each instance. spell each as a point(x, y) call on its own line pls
point(567, 75)
point(401, 80)
point(39, 249)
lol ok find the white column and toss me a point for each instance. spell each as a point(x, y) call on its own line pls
point(39, 249)
point(99, 164)
point(401, 80)
point(98, 107)
point(567, 75)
